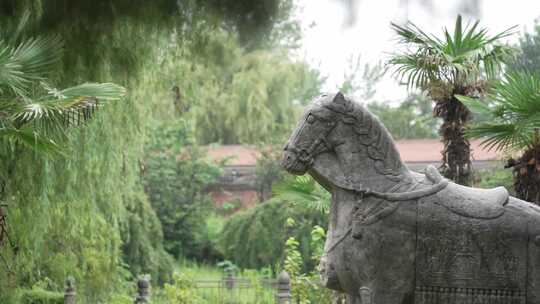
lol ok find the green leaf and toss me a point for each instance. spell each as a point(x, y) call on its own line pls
point(31, 139)
point(475, 105)
point(31, 60)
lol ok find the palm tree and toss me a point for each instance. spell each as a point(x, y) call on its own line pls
point(459, 63)
point(512, 107)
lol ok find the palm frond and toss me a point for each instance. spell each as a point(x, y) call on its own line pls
point(101, 91)
point(476, 106)
point(38, 123)
point(459, 58)
point(70, 106)
point(303, 191)
point(514, 104)
point(29, 61)
point(30, 138)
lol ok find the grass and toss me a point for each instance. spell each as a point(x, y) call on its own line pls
point(209, 286)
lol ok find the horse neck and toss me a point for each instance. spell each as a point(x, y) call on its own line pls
point(369, 156)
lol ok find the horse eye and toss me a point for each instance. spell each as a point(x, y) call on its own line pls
point(310, 119)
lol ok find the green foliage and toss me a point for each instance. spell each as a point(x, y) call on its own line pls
point(318, 238)
point(254, 238)
point(528, 58)
point(306, 195)
point(176, 173)
point(81, 206)
point(268, 171)
point(304, 287)
point(229, 207)
point(90, 217)
point(227, 266)
point(247, 97)
point(293, 257)
point(40, 296)
point(513, 108)
point(495, 177)
point(181, 291)
point(142, 247)
point(360, 79)
point(184, 288)
point(411, 119)
point(453, 62)
point(37, 119)
point(259, 24)
point(304, 192)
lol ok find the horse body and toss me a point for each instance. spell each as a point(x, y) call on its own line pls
point(399, 237)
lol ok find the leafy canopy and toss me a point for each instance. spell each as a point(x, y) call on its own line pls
point(457, 60)
point(513, 109)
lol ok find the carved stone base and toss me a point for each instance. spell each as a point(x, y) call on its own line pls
point(447, 295)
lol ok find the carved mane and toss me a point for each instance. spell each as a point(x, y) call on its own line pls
point(371, 134)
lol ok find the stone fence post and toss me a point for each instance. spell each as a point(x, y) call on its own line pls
point(229, 279)
point(283, 295)
point(69, 293)
point(143, 290)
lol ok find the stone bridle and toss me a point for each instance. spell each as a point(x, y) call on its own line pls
point(319, 145)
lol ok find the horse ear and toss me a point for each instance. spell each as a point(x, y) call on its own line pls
point(340, 103)
point(339, 98)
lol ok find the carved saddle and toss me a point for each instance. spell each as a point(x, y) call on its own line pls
point(467, 201)
point(470, 248)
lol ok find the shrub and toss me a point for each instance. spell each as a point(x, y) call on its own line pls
point(495, 177)
point(41, 296)
point(254, 238)
point(181, 291)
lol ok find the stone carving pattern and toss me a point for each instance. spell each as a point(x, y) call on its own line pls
point(453, 295)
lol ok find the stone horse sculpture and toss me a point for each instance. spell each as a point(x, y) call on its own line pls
point(400, 237)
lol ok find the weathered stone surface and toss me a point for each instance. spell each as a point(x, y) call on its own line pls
point(399, 237)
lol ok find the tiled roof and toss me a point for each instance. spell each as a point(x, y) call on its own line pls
point(429, 150)
point(411, 150)
point(237, 155)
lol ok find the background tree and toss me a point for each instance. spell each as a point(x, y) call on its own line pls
point(176, 175)
point(248, 97)
point(513, 105)
point(268, 170)
point(360, 79)
point(528, 58)
point(458, 63)
point(410, 119)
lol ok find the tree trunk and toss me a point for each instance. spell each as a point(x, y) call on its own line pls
point(456, 154)
point(527, 175)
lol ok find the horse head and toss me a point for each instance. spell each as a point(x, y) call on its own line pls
point(339, 142)
point(315, 137)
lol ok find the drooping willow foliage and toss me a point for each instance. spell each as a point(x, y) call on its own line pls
point(86, 214)
point(79, 214)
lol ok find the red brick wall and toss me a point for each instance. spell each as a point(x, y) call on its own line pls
point(247, 197)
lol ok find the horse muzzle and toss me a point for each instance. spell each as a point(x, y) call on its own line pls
point(293, 164)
